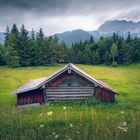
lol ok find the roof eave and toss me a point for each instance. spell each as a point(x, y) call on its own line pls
point(16, 92)
point(115, 92)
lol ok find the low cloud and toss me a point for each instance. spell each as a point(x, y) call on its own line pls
point(61, 15)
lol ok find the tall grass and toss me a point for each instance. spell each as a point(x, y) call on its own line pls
point(72, 122)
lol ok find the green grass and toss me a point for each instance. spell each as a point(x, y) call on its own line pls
point(80, 121)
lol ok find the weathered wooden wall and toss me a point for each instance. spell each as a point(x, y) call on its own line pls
point(35, 96)
point(104, 95)
point(69, 86)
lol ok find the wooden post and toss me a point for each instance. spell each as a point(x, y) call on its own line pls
point(94, 89)
point(44, 93)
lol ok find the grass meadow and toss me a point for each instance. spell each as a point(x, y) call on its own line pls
point(72, 120)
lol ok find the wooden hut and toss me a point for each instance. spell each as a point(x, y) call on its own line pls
point(70, 82)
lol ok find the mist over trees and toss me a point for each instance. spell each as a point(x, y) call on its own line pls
point(22, 48)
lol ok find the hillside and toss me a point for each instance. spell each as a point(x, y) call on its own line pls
point(70, 37)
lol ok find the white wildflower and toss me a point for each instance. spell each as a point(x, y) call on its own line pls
point(49, 113)
point(122, 112)
point(122, 128)
point(125, 130)
point(41, 114)
point(53, 133)
point(56, 136)
point(42, 125)
point(64, 107)
point(119, 127)
point(71, 125)
point(78, 132)
point(124, 124)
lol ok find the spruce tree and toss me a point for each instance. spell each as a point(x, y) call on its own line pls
point(12, 54)
point(92, 39)
point(24, 47)
point(7, 36)
point(97, 57)
point(40, 47)
point(107, 58)
point(15, 30)
point(136, 46)
point(2, 55)
point(33, 34)
point(120, 44)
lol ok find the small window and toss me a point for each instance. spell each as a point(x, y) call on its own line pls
point(69, 70)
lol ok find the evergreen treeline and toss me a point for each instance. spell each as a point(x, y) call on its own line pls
point(108, 50)
point(24, 49)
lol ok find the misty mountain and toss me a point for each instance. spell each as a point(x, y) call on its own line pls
point(95, 34)
point(70, 37)
point(121, 27)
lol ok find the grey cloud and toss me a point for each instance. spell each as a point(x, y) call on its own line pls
point(67, 6)
point(46, 12)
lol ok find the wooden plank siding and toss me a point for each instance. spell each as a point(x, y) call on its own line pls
point(104, 95)
point(69, 93)
point(30, 97)
point(69, 86)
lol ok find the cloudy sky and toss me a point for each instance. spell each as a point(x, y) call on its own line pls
point(56, 16)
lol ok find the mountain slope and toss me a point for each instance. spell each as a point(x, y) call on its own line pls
point(121, 27)
point(70, 37)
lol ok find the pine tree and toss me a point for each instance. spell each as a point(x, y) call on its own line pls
point(12, 55)
point(40, 47)
point(40, 36)
point(87, 55)
point(92, 39)
point(101, 49)
point(107, 58)
point(120, 45)
point(33, 53)
point(24, 47)
point(128, 54)
point(33, 34)
point(97, 57)
point(15, 30)
point(136, 46)
point(7, 36)
point(128, 39)
point(114, 37)
point(2, 55)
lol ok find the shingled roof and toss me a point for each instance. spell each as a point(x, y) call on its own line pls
point(37, 83)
